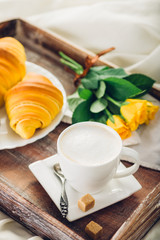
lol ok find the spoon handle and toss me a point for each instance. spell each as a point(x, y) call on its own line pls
point(64, 201)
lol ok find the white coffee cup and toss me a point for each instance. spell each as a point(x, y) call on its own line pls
point(89, 154)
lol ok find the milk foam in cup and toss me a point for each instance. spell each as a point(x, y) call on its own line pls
point(88, 145)
point(89, 155)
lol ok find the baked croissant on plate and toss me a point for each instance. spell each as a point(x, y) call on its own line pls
point(12, 64)
point(33, 103)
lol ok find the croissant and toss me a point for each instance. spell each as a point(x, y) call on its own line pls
point(12, 64)
point(33, 103)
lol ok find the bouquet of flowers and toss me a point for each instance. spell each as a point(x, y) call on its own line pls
point(109, 95)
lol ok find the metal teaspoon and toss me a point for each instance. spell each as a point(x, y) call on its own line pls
point(63, 198)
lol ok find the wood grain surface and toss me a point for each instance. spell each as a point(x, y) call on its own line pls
point(21, 195)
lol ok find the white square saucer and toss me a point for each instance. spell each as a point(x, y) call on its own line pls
point(115, 190)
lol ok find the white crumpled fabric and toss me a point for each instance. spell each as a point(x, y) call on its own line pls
point(11, 230)
point(131, 26)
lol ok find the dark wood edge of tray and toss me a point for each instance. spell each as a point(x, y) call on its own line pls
point(138, 224)
point(69, 48)
point(22, 210)
point(32, 217)
point(44, 225)
point(8, 26)
point(17, 26)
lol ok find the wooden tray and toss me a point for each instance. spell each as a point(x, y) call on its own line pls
point(21, 195)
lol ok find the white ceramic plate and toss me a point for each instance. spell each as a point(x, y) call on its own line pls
point(116, 190)
point(8, 138)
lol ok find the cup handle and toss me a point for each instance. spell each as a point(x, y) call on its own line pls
point(128, 152)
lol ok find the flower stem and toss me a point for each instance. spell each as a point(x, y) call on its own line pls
point(71, 63)
point(109, 115)
point(118, 104)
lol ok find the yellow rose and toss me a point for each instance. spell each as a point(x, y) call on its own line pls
point(129, 114)
point(141, 106)
point(151, 111)
point(134, 113)
point(119, 126)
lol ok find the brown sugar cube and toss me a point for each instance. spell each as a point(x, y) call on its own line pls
point(86, 202)
point(94, 230)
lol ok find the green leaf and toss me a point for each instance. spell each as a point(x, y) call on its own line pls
point(141, 81)
point(113, 72)
point(98, 105)
point(139, 94)
point(82, 112)
point(99, 117)
point(74, 100)
point(113, 108)
point(121, 89)
point(91, 80)
point(93, 75)
point(84, 93)
point(99, 68)
point(101, 90)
